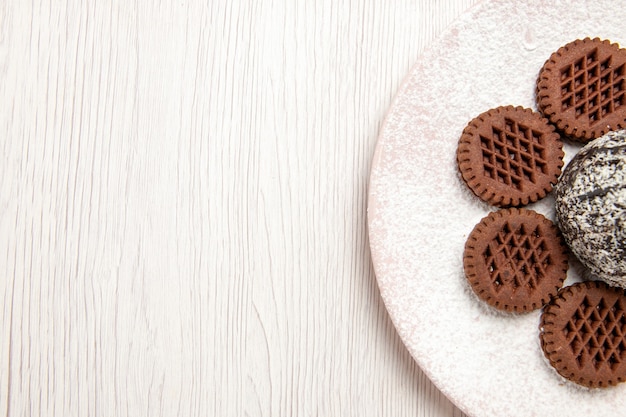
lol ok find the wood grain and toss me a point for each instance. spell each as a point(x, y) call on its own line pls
point(183, 207)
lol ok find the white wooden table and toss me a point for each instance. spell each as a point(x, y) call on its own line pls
point(183, 207)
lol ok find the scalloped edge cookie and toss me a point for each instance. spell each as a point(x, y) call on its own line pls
point(501, 168)
point(515, 260)
point(568, 352)
point(581, 88)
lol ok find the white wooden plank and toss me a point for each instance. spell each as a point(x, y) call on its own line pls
point(182, 205)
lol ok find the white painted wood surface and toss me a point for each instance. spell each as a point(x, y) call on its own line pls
point(182, 207)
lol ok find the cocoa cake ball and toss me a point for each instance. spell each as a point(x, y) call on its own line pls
point(591, 206)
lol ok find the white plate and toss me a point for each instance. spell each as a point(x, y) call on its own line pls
point(420, 212)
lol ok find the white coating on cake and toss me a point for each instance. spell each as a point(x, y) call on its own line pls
point(591, 206)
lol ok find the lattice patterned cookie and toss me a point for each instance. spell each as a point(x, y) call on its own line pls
point(582, 88)
point(583, 334)
point(515, 260)
point(510, 156)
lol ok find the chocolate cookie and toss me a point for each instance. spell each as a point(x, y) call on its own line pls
point(510, 156)
point(583, 334)
point(582, 88)
point(515, 260)
point(591, 206)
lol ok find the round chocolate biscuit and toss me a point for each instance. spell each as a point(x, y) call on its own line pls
point(581, 88)
point(510, 156)
point(583, 334)
point(515, 260)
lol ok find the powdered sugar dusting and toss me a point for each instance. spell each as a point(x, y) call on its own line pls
point(420, 212)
